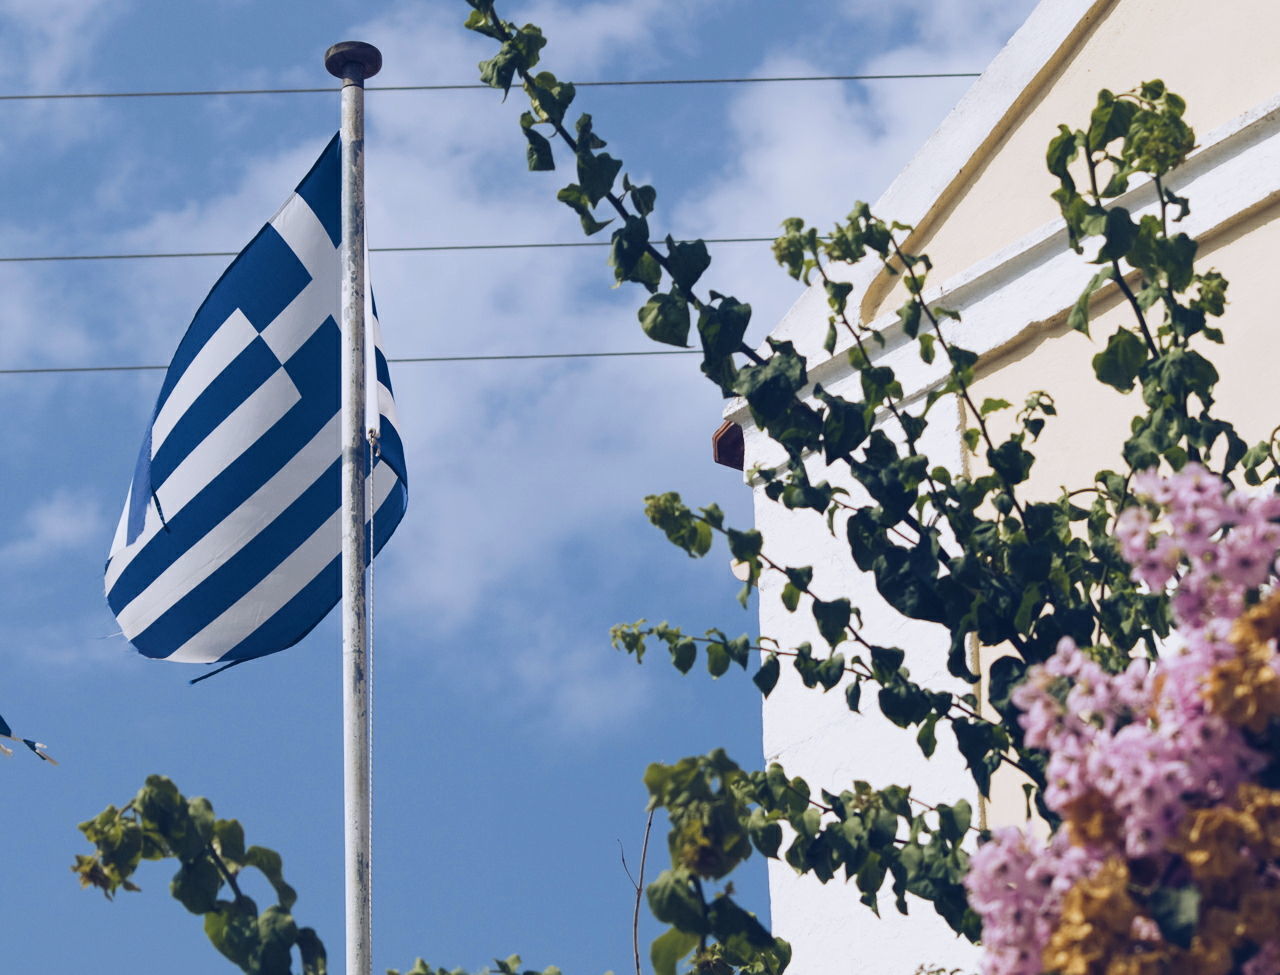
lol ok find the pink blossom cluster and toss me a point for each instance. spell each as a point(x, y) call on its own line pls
point(1124, 745)
point(1140, 748)
point(1016, 885)
point(1218, 544)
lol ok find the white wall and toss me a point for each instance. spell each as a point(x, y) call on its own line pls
point(1014, 279)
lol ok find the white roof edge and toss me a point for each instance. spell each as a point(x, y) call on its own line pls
point(1006, 81)
point(921, 184)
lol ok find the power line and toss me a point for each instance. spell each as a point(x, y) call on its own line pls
point(648, 82)
point(50, 370)
point(30, 259)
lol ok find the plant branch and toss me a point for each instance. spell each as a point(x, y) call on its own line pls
point(639, 886)
point(1118, 273)
point(226, 873)
point(613, 198)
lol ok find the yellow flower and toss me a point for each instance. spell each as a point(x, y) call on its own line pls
point(1217, 844)
point(1092, 819)
point(1097, 918)
point(1264, 806)
point(1246, 689)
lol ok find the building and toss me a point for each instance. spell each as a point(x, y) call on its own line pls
point(978, 196)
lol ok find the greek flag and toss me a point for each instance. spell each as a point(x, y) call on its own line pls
point(229, 544)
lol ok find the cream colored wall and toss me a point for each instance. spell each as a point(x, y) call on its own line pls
point(1093, 419)
point(1223, 67)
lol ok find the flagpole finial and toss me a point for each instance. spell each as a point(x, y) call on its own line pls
point(353, 60)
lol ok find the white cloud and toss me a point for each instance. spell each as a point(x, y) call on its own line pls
point(812, 150)
point(942, 28)
point(511, 464)
point(612, 34)
point(47, 42)
point(51, 528)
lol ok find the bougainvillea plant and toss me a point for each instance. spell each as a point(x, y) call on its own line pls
point(979, 552)
point(1167, 858)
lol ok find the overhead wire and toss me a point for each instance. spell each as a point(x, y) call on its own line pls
point(469, 86)
point(194, 93)
point(35, 258)
point(508, 357)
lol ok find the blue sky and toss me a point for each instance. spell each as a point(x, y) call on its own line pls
point(510, 739)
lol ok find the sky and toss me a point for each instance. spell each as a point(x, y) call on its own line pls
point(510, 739)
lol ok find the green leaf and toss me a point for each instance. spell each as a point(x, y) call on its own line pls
point(596, 174)
point(277, 933)
point(232, 928)
point(643, 199)
point(686, 261)
point(630, 242)
point(800, 577)
point(992, 405)
point(1176, 911)
point(832, 619)
point(683, 654)
point(1120, 362)
point(845, 425)
point(665, 318)
point(550, 97)
point(1119, 233)
point(745, 546)
point(539, 152)
point(668, 948)
point(771, 387)
point(311, 948)
point(954, 821)
point(195, 886)
point(1063, 150)
point(272, 867)
point(853, 694)
point(766, 835)
point(887, 661)
point(717, 659)
point(647, 271)
point(766, 678)
point(573, 197)
point(979, 743)
point(674, 901)
point(790, 597)
point(1110, 120)
point(927, 737)
point(1011, 461)
point(837, 294)
point(228, 834)
point(479, 22)
point(722, 326)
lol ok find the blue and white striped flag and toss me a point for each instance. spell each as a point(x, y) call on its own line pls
point(229, 545)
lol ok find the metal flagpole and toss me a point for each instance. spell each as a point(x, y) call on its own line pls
point(353, 62)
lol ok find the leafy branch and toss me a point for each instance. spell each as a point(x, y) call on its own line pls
point(985, 556)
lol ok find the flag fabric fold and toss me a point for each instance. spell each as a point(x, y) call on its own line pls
point(229, 544)
point(37, 747)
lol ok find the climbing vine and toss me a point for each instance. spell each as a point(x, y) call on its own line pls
point(979, 554)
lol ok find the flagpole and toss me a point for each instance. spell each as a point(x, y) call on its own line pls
point(353, 62)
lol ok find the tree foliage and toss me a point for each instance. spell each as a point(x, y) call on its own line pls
point(160, 823)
